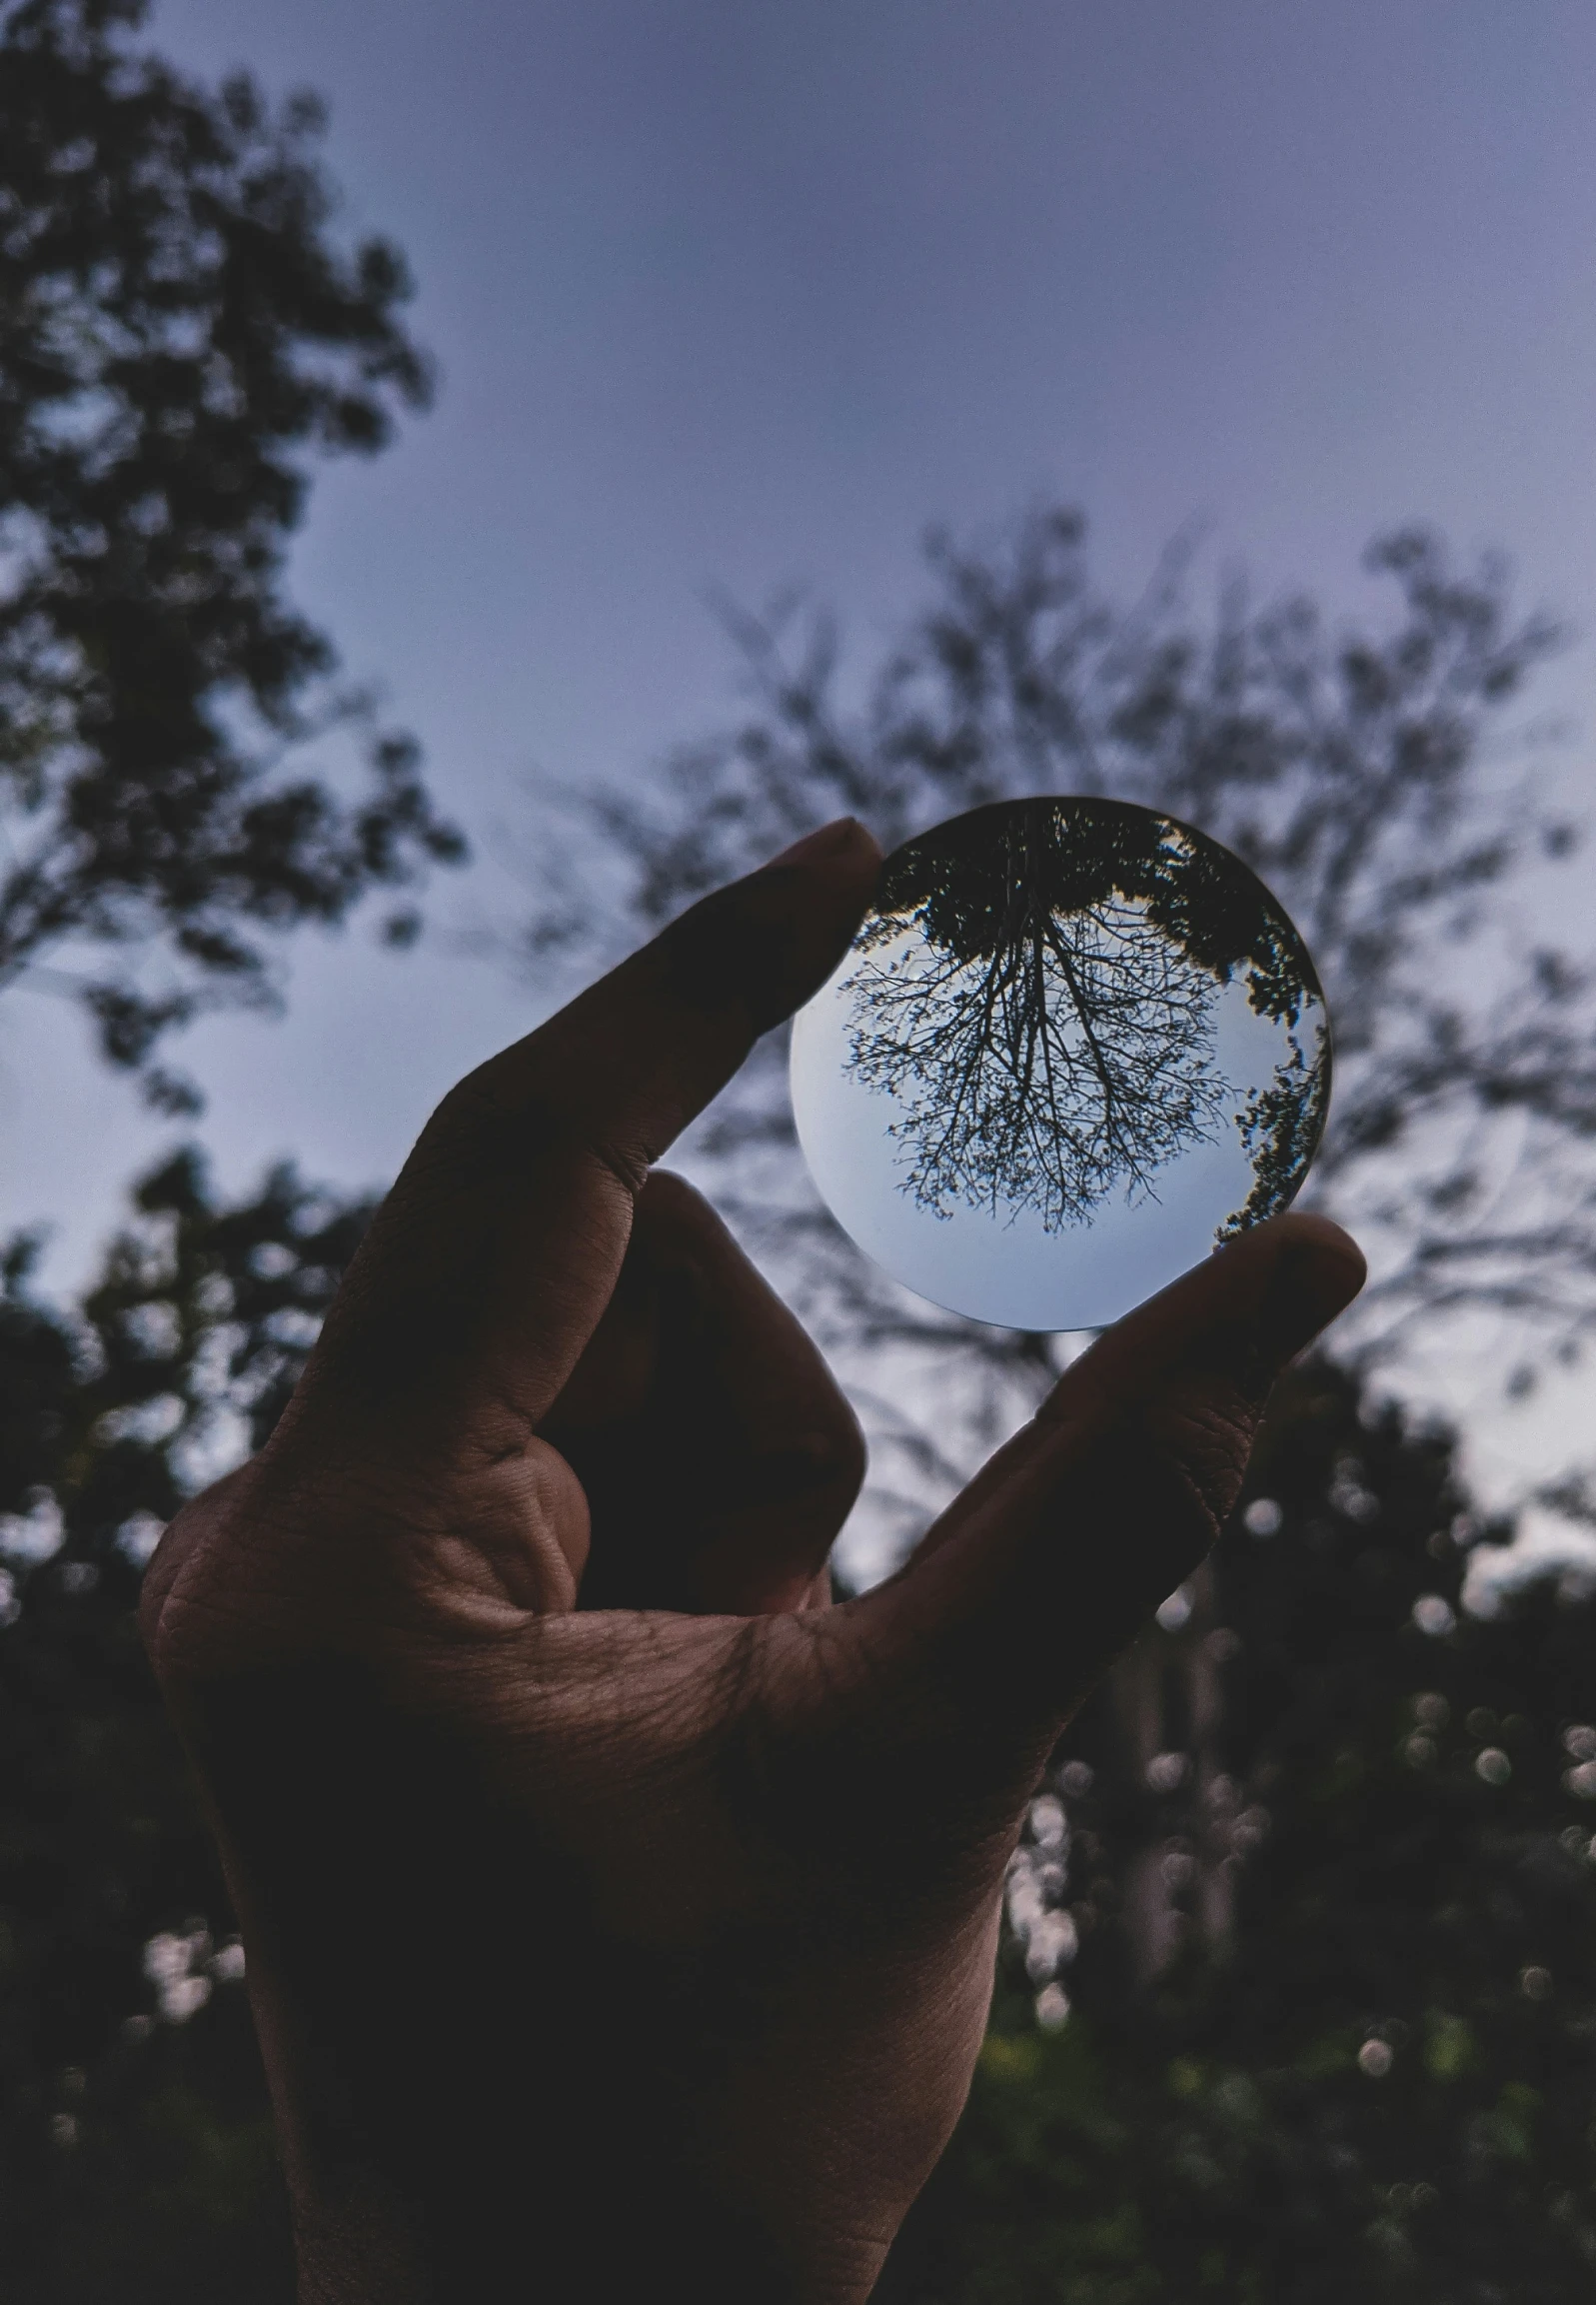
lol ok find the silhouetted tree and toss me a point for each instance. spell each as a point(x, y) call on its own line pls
point(178, 336)
point(1360, 775)
point(1037, 989)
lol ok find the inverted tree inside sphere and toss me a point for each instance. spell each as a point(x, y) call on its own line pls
point(1074, 1046)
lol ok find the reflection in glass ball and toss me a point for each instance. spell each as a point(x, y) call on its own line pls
point(1073, 1047)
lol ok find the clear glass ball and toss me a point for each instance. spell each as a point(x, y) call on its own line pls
point(1073, 1047)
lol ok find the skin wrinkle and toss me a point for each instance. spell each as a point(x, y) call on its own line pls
point(1205, 1445)
point(823, 1772)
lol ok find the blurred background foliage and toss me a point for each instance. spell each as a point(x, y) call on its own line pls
point(179, 330)
point(1297, 2000)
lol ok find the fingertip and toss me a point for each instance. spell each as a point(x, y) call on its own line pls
point(1275, 1287)
point(1315, 1271)
point(772, 938)
point(1316, 1247)
point(843, 838)
point(1067, 1539)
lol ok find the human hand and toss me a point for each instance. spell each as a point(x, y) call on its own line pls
point(621, 1915)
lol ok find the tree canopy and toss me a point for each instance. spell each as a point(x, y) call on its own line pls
point(180, 334)
point(1365, 771)
point(1036, 987)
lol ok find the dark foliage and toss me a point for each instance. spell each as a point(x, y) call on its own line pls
point(135, 2149)
point(1393, 1827)
point(179, 335)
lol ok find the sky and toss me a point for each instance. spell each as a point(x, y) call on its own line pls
point(728, 295)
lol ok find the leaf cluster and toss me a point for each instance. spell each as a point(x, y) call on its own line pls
point(179, 335)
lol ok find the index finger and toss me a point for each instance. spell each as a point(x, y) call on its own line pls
point(490, 1263)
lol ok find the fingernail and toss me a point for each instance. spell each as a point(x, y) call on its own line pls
point(838, 835)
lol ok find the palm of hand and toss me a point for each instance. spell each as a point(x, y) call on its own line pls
point(490, 1816)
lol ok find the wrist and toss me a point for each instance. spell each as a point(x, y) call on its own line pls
point(590, 2183)
point(362, 2244)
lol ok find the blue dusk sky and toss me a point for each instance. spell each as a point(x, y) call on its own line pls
point(726, 295)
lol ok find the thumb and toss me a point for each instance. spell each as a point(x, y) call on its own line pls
point(1064, 1545)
